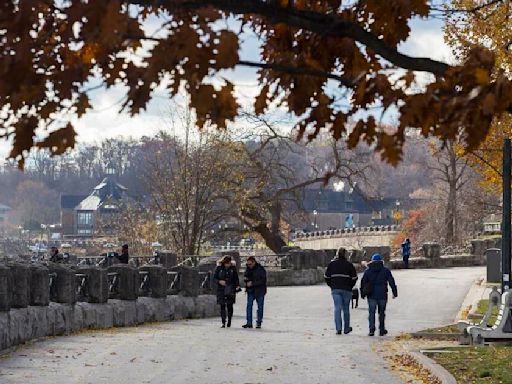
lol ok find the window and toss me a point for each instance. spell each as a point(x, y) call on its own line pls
point(85, 231)
point(84, 218)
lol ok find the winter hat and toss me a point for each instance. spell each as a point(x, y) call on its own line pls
point(377, 257)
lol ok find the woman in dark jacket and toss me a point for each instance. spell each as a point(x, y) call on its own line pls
point(227, 287)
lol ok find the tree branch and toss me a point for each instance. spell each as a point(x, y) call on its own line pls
point(319, 23)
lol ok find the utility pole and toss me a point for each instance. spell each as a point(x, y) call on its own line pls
point(505, 222)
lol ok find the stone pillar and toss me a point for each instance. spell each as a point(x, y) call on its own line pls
point(128, 282)
point(383, 250)
point(64, 284)
point(478, 247)
point(157, 280)
point(168, 259)
point(297, 259)
point(39, 285)
point(329, 255)
point(97, 284)
point(5, 288)
point(431, 250)
point(21, 285)
point(190, 282)
point(357, 256)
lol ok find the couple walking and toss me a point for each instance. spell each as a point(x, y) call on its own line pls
point(228, 285)
point(341, 277)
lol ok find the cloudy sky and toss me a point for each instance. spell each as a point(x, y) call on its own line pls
point(105, 121)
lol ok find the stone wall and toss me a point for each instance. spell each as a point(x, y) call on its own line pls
point(49, 300)
point(287, 277)
point(20, 325)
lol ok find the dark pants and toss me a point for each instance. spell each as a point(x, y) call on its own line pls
point(260, 300)
point(373, 304)
point(223, 307)
point(406, 261)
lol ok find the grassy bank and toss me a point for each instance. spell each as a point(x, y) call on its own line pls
point(479, 365)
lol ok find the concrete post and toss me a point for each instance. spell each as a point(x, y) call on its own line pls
point(97, 284)
point(168, 259)
point(157, 280)
point(5, 288)
point(64, 285)
point(431, 250)
point(190, 282)
point(39, 285)
point(128, 283)
point(21, 285)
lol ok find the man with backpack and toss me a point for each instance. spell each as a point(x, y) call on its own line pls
point(374, 286)
point(341, 276)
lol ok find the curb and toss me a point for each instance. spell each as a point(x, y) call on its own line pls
point(476, 292)
point(437, 370)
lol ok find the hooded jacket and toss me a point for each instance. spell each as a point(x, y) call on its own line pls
point(379, 276)
point(340, 274)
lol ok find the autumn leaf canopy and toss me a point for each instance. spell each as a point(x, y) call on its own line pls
point(328, 62)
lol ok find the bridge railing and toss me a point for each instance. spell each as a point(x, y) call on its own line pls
point(346, 231)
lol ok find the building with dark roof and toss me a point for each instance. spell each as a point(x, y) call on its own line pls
point(80, 214)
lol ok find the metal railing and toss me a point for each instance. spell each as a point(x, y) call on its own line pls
point(173, 282)
point(81, 287)
point(144, 283)
point(113, 283)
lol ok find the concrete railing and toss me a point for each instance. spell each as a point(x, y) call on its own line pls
point(46, 300)
point(343, 231)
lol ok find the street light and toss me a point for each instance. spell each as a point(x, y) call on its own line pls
point(397, 214)
point(315, 213)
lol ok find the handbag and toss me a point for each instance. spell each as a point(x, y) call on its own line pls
point(229, 290)
point(367, 289)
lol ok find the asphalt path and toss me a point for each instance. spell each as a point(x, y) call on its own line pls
point(297, 343)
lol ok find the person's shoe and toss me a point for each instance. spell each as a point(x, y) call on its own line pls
point(346, 332)
point(383, 333)
point(258, 326)
point(338, 332)
point(372, 333)
point(229, 323)
point(223, 325)
point(247, 326)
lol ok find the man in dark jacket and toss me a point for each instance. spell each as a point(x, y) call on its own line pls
point(374, 284)
point(406, 252)
point(255, 278)
point(341, 276)
point(124, 256)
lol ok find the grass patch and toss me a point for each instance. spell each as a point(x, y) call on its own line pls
point(451, 328)
point(478, 365)
point(482, 308)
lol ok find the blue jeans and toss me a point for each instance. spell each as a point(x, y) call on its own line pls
point(341, 298)
point(260, 300)
point(373, 304)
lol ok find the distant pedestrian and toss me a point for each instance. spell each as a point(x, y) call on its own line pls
point(255, 279)
point(124, 256)
point(228, 285)
point(406, 252)
point(374, 286)
point(55, 256)
point(341, 276)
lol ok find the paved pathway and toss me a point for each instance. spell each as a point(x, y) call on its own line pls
point(296, 345)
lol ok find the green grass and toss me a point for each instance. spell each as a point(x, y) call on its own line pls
point(478, 365)
point(482, 308)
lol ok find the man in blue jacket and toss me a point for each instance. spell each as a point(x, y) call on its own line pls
point(374, 285)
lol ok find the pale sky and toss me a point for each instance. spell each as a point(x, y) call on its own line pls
point(105, 121)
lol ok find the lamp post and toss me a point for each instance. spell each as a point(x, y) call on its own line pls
point(315, 213)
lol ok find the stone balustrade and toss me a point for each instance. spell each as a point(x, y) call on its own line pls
point(48, 300)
